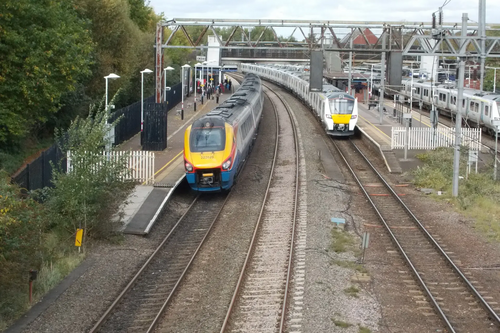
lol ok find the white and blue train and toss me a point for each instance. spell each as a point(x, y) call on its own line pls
point(478, 109)
point(336, 110)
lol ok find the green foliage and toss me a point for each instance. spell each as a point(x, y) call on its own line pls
point(341, 241)
point(340, 323)
point(364, 330)
point(142, 14)
point(437, 172)
point(45, 50)
point(477, 194)
point(351, 265)
point(90, 194)
point(22, 225)
point(352, 291)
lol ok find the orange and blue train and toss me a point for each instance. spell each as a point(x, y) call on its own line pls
point(217, 144)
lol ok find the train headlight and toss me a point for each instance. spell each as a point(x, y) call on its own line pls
point(354, 116)
point(328, 116)
point(188, 166)
point(227, 164)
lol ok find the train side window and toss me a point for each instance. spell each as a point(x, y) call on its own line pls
point(418, 90)
point(426, 92)
point(486, 110)
point(453, 100)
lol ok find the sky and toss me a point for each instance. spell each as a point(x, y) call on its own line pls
point(332, 10)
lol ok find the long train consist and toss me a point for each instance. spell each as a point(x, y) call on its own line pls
point(337, 110)
point(217, 144)
point(478, 109)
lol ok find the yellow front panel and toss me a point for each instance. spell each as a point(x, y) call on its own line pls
point(209, 159)
point(341, 118)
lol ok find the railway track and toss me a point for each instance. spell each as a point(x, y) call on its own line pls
point(142, 301)
point(445, 287)
point(260, 300)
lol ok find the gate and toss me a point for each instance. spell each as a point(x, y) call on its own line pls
point(155, 127)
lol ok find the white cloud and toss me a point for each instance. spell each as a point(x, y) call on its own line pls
point(367, 10)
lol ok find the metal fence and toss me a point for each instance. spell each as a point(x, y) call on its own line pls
point(430, 138)
point(38, 174)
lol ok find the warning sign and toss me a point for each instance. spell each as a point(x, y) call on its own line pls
point(79, 237)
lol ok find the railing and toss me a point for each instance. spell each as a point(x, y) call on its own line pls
point(139, 164)
point(430, 138)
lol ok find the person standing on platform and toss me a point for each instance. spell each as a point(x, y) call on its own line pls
point(217, 97)
point(230, 84)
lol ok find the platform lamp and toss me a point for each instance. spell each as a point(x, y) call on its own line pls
point(165, 86)
point(146, 71)
point(110, 76)
point(195, 83)
point(182, 104)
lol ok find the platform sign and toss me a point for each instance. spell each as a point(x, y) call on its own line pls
point(79, 237)
point(201, 58)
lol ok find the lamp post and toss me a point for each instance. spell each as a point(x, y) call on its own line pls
point(195, 83)
point(110, 76)
point(182, 104)
point(165, 86)
point(147, 71)
point(109, 133)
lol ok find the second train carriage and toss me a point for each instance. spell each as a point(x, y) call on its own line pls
point(337, 110)
point(217, 144)
point(477, 108)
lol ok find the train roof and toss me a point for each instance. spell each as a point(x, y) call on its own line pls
point(230, 109)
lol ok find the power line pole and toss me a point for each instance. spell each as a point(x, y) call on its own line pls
point(482, 34)
point(458, 120)
point(382, 80)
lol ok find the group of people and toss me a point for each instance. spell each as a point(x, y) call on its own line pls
point(216, 90)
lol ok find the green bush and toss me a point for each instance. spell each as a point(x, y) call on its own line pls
point(477, 193)
point(22, 223)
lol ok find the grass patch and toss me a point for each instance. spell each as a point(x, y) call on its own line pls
point(15, 301)
point(11, 161)
point(342, 241)
point(340, 323)
point(477, 195)
point(52, 273)
point(351, 265)
point(363, 329)
point(352, 291)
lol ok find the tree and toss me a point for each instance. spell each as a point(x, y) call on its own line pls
point(45, 50)
point(89, 195)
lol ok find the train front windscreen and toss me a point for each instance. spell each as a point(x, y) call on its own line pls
point(207, 139)
point(341, 106)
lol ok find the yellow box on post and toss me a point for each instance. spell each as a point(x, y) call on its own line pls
point(79, 237)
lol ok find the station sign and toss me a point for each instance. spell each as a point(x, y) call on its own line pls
point(201, 58)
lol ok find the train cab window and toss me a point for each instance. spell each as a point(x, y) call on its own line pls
point(473, 107)
point(341, 106)
point(486, 110)
point(207, 139)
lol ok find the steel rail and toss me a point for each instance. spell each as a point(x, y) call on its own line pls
point(138, 274)
point(477, 295)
